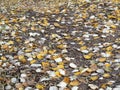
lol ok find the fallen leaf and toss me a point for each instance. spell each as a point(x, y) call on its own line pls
point(74, 83)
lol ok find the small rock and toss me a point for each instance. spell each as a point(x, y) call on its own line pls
point(38, 70)
point(22, 80)
point(62, 72)
point(58, 59)
point(13, 80)
point(92, 86)
point(117, 88)
point(8, 87)
point(28, 88)
point(100, 71)
point(18, 85)
point(23, 75)
point(108, 88)
point(53, 88)
point(62, 84)
point(74, 88)
point(72, 65)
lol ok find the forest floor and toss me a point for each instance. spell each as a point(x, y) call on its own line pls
point(75, 47)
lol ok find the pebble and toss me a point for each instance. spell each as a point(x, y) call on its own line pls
point(108, 88)
point(62, 84)
point(100, 71)
point(28, 88)
point(85, 51)
point(51, 73)
point(13, 80)
point(8, 87)
point(117, 88)
point(22, 80)
point(58, 59)
point(72, 65)
point(53, 88)
point(38, 70)
point(75, 88)
point(23, 75)
point(62, 72)
point(92, 86)
point(35, 65)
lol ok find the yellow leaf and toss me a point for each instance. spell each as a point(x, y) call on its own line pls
point(81, 42)
point(57, 74)
point(74, 83)
point(3, 58)
point(28, 50)
point(57, 24)
point(10, 42)
point(66, 79)
point(33, 28)
point(107, 65)
point(51, 51)
point(61, 46)
point(77, 73)
point(88, 56)
point(83, 48)
point(21, 88)
point(20, 57)
point(106, 75)
point(45, 22)
point(104, 85)
point(111, 17)
point(93, 78)
point(113, 26)
point(23, 60)
point(109, 48)
point(32, 61)
point(40, 56)
point(102, 59)
point(58, 67)
point(45, 64)
point(40, 86)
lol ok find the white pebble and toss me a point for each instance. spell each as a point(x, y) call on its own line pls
point(13, 80)
point(23, 75)
point(22, 80)
point(92, 17)
point(116, 88)
point(100, 71)
point(38, 70)
point(108, 88)
point(44, 79)
point(51, 73)
point(8, 87)
point(74, 88)
point(92, 86)
point(114, 46)
point(105, 54)
point(72, 65)
point(62, 72)
point(28, 88)
point(117, 60)
point(58, 59)
point(62, 84)
point(35, 65)
point(85, 51)
point(53, 88)
point(86, 35)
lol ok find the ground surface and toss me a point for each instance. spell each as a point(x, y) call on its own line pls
point(70, 48)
